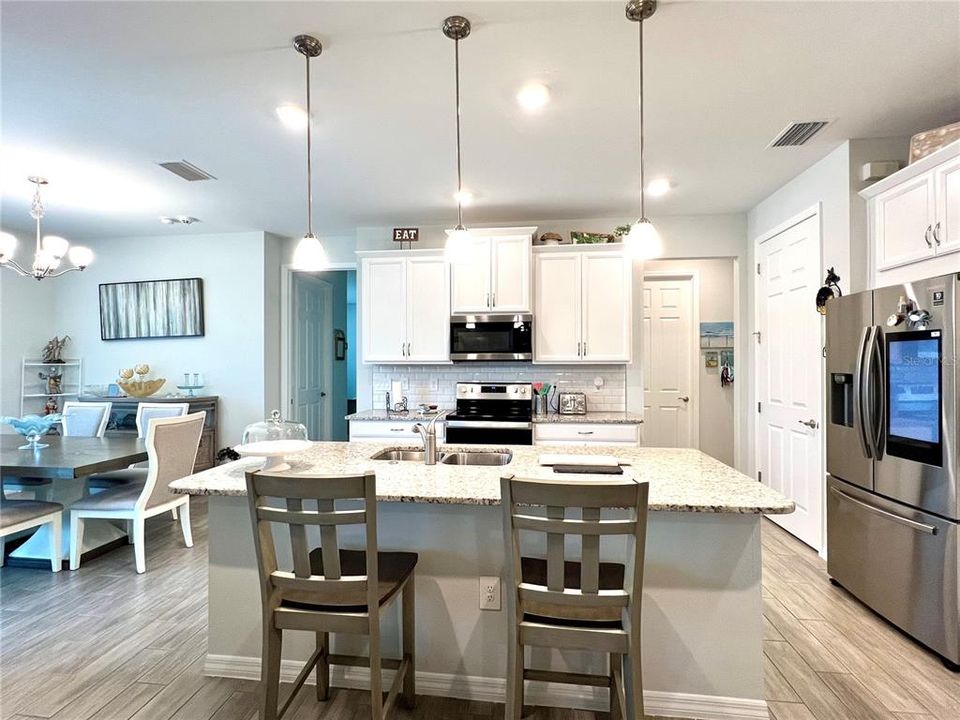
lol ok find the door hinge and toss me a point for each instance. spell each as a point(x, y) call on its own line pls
point(759, 476)
point(758, 268)
point(758, 407)
point(758, 335)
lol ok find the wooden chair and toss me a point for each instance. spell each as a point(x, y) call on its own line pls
point(586, 605)
point(18, 515)
point(330, 589)
point(172, 449)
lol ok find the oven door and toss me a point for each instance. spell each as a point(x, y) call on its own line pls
point(491, 337)
point(489, 432)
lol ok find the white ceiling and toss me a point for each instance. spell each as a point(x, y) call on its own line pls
point(94, 94)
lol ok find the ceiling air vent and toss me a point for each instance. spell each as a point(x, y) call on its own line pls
point(187, 171)
point(798, 133)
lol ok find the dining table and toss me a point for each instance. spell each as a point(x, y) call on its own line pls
point(67, 462)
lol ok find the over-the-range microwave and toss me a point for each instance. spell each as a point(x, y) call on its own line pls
point(506, 336)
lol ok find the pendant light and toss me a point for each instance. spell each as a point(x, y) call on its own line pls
point(643, 242)
point(309, 254)
point(457, 27)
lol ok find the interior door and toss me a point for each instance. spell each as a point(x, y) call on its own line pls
point(428, 310)
point(510, 274)
point(790, 376)
point(606, 288)
point(668, 412)
point(313, 315)
point(557, 308)
point(383, 310)
point(471, 277)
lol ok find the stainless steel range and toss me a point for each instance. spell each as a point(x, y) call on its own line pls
point(893, 506)
point(492, 413)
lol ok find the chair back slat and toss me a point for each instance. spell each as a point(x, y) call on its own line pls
point(574, 597)
point(590, 555)
point(328, 540)
point(574, 526)
point(298, 541)
point(307, 487)
point(568, 494)
point(555, 552)
point(334, 517)
point(319, 585)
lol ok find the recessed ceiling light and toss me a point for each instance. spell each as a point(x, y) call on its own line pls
point(293, 116)
point(658, 187)
point(464, 197)
point(178, 220)
point(533, 97)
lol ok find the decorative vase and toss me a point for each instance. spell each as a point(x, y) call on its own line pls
point(32, 427)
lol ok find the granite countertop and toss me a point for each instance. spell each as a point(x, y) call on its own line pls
point(681, 480)
point(598, 418)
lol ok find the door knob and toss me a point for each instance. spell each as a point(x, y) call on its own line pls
point(685, 398)
point(323, 394)
point(812, 424)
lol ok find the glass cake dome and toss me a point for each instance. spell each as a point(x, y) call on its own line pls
point(273, 429)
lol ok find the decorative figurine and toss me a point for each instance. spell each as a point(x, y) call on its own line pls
point(54, 381)
point(54, 349)
point(51, 408)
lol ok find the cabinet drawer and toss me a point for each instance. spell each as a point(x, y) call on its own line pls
point(588, 433)
point(399, 430)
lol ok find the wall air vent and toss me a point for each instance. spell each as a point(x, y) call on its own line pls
point(798, 133)
point(187, 171)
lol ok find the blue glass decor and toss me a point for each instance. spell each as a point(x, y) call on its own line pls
point(32, 427)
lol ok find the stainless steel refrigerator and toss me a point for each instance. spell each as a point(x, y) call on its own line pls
point(893, 512)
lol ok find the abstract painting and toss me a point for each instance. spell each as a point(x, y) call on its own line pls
point(151, 309)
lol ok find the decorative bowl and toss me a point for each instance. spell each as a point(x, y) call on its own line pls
point(32, 427)
point(141, 388)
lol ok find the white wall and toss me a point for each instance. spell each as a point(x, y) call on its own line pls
point(231, 355)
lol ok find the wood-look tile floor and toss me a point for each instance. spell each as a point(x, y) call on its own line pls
point(104, 643)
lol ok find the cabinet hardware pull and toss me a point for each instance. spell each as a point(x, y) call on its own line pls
point(926, 236)
point(584, 349)
point(578, 349)
point(493, 300)
point(936, 233)
point(584, 432)
point(396, 429)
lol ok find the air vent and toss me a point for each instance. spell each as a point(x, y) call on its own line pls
point(187, 171)
point(798, 133)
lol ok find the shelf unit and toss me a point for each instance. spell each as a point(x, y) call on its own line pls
point(32, 399)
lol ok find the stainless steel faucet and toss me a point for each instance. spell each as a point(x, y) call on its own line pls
point(428, 433)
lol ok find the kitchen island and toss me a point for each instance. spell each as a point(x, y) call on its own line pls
point(702, 615)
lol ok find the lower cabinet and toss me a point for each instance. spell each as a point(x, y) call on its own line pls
point(586, 434)
point(399, 431)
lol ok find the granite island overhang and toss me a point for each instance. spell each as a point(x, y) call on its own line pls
point(702, 605)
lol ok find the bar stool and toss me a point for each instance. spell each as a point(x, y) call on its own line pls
point(586, 605)
point(330, 588)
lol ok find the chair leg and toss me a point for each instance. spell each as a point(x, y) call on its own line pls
point(139, 553)
point(185, 523)
point(635, 683)
point(514, 701)
point(2, 550)
point(616, 686)
point(76, 540)
point(323, 667)
point(56, 543)
point(173, 513)
point(129, 524)
point(409, 610)
point(376, 669)
point(270, 667)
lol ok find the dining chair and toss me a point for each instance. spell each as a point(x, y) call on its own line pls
point(329, 589)
point(85, 419)
point(19, 515)
point(584, 605)
point(172, 444)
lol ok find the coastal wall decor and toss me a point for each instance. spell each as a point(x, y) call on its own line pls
point(716, 334)
point(151, 309)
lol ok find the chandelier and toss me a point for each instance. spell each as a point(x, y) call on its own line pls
point(50, 250)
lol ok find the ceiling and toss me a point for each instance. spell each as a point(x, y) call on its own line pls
point(94, 94)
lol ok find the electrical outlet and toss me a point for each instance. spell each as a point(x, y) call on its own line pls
point(489, 593)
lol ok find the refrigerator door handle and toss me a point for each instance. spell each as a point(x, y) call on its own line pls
point(880, 402)
point(921, 527)
point(859, 419)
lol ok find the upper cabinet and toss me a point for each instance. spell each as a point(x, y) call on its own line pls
point(914, 219)
point(493, 273)
point(405, 308)
point(583, 301)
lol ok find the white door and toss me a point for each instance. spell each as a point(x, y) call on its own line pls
point(669, 406)
point(510, 274)
point(947, 184)
point(790, 376)
point(471, 277)
point(383, 310)
point(606, 287)
point(428, 310)
point(313, 313)
point(557, 308)
point(903, 219)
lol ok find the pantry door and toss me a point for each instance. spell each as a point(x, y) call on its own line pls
point(790, 374)
point(670, 416)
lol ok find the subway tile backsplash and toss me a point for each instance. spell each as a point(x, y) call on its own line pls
point(436, 383)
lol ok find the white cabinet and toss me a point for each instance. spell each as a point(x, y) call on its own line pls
point(405, 308)
point(914, 219)
point(586, 434)
point(399, 431)
point(583, 302)
point(492, 274)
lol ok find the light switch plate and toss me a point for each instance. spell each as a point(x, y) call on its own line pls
point(489, 593)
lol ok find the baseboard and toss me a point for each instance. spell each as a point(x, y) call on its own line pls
point(485, 689)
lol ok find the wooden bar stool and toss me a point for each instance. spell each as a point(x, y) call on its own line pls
point(585, 605)
point(330, 589)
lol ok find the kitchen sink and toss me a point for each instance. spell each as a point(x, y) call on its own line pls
point(476, 458)
point(397, 455)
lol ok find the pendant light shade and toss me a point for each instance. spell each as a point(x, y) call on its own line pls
point(309, 254)
point(457, 27)
point(643, 242)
